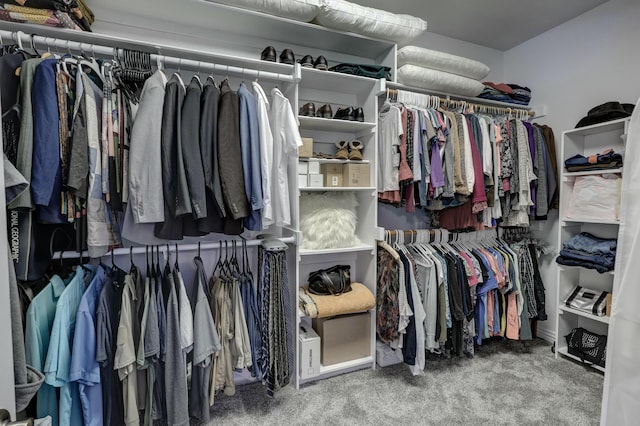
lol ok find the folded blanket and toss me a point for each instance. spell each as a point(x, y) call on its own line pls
point(359, 299)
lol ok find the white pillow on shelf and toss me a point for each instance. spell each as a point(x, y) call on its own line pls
point(442, 61)
point(439, 81)
point(346, 16)
point(299, 10)
point(595, 197)
point(328, 220)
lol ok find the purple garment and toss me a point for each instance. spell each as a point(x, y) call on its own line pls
point(437, 174)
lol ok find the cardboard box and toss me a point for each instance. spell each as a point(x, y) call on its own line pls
point(333, 174)
point(314, 167)
point(303, 168)
point(306, 150)
point(316, 181)
point(356, 174)
point(303, 181)
point(309, 343)
point(344, 338)
point(608, 305)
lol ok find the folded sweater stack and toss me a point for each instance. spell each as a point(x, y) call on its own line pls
point(503, 92)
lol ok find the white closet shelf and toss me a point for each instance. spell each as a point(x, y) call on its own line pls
point(563, 351)
point(576, 268)
point(591, 173)
point(334, 125)
point(333, 161)
point(360, 247)
point(328, 369)
point(592, 220)
point(331, 81)
point(489, 102)
point(340, 189)
point(597, 128)
point(566, 309)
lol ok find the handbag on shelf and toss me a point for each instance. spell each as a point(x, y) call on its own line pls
point(331, 281)
point(590, 347)
point(591, 301)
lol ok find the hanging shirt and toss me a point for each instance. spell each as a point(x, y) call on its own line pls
point(40, 316)
point(250, 142)
point(389, 133)
point(84, 367)
point(266, 153)
point(58, 363)
point(286, 140)
point(145, 158)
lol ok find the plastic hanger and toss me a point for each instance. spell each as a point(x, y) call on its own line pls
point(219, 262)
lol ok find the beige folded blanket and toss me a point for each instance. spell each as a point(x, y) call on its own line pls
point(359, 299)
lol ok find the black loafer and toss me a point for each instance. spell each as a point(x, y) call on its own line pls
point(268, 54)
point(324, 111)
point(308, 110)
point(321, 63)
point(359, 114)
point(287, 57)
point(345, 114)
point(307, 61)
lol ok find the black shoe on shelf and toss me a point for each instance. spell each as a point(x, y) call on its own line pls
point(307, 61)
point(287, 57)
point(347, 113)
point(359, 114)
point(324, 111)
point(268, 54)
point(308, 110)
point(321, 63)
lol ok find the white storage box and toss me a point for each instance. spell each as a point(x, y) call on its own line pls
point(313, 167)
point(309, 342)
point(316, 181)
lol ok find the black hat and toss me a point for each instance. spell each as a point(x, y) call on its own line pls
point(605, 112)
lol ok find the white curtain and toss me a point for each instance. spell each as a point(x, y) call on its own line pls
point(621, 396)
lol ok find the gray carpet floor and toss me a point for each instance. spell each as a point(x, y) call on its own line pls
point(506, 383)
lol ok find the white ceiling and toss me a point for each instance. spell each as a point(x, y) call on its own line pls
point(500, 24)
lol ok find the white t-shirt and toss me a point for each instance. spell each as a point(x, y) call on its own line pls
point(389, 132)
point(286, 140)
point(266, 153)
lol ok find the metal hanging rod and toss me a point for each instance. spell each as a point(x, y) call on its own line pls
point(179, 58)
point(163, 248)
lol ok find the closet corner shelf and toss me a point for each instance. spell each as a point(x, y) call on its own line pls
point(332, 81)
point(566, 309)
point(333, 125)
point(563, 351)
point(360, 362)
point(597, 128)
point(339, 189)
point(359, 247)
point(597, 221)
point(592, 172)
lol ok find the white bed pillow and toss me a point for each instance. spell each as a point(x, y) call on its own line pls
point(299, 10)
point(439, 81)
point(328, 220)
point(376, 23)
point(442, 61)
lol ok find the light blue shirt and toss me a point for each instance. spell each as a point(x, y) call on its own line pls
point(84, 367)
point(39, 322)
point(58, 362)
point(250, 143)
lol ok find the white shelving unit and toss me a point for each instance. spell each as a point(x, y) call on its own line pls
point(586, 141)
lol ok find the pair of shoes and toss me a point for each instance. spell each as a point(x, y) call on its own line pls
point(350, 113)
point(309, 110)
point(320, 63)
point(286, 57)
point(349, 150)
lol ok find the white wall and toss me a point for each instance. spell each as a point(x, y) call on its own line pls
point(592, 59)
point(493, 58)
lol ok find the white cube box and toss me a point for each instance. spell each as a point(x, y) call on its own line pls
point(303, 181)
point(303, 167)
point(314, 167)
point(316, 181)
point(309, 342)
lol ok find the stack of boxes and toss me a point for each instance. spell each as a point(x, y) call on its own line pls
point(312, 174)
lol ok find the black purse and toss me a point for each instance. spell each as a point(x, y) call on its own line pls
point(335, 280)
point(590, 347)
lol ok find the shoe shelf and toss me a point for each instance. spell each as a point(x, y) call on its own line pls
point(356, 248)
point(565, 309)
point(339, 189)
point(334, 125)
point(334, 161)
point(336, 82)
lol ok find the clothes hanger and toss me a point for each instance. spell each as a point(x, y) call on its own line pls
point(176, 265)
point(219, 262)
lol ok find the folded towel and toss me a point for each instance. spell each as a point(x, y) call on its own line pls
point(359, 299)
